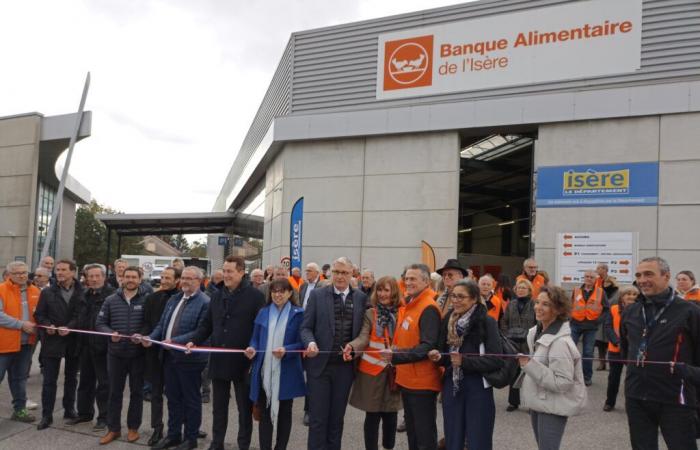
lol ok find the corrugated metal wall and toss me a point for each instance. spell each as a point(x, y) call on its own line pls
point(336, 68)
point(276, 103)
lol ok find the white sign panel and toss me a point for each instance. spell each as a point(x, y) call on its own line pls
point(577, 40)
point(579, 252)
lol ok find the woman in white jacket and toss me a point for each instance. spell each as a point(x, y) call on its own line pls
point(552, 378)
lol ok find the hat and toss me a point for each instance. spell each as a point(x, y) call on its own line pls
point(453, 264)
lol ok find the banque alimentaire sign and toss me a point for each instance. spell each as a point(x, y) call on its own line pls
point(572, 41)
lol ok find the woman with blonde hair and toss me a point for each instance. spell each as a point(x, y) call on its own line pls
point(374, 390)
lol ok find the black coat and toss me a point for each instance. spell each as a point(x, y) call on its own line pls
point(229, 322)
point(94, 299)
point(53, 310)
point(655, 382)
point(319, 324)
point(153, 308)
point(481, 329)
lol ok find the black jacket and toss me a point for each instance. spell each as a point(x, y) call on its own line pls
point(679, 322)
point(229, 321)
point(153, 307)
point(481, 329)
point(94, 299)
point(124, 317)
point(53, 310)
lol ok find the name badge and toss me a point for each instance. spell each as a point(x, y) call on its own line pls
point(405, 324)
point(138, 307)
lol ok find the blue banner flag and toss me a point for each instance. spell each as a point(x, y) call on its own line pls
point(295, 233)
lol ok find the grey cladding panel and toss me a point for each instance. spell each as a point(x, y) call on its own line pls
point(670, 49)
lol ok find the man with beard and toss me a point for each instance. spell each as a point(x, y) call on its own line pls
point(153, 307)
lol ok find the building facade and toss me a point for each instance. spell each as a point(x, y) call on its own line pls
point(30, 145)
point(408, 128)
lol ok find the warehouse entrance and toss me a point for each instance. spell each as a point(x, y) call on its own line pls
point(496, 208)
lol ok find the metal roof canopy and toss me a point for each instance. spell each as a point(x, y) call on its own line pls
point(183, 223)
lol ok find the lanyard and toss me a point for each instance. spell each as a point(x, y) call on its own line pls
point(648, 327)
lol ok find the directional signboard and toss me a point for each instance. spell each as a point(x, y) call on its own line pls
point(580, 251)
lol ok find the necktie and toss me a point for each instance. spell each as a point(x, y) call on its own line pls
point(176, 319)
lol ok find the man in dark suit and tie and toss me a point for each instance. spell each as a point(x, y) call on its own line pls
point(332, 318)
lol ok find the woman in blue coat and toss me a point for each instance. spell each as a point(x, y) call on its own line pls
point(277, 376)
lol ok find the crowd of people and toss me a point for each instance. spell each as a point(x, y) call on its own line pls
point(395, 348)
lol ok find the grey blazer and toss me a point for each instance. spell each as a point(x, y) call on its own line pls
point(319, 324)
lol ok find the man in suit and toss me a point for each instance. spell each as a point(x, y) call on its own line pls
point(229, 324)
point(312, 273)
point(332, 318)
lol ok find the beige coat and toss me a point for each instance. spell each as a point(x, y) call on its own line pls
point(552, 382)
point(370, 393)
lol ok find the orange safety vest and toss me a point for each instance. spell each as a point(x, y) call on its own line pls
point(693, 295)
point(370, 363)
point(497, 302)
point(616, 316)
point(295, 284)
point(424, 374)
point(10, 339)
point(587, 310)
point(537, 283)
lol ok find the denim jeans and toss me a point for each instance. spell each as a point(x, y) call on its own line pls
point(16, 364)
point(588, 347)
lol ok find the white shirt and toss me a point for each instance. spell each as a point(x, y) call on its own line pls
point(343, 294)
point(310, 287)
point(180, 304)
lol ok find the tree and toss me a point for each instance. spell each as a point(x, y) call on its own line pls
point(198, 250)
point(91, 237)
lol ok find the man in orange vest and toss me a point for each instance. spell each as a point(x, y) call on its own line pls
point(18, 300)
point(590, 305)
point(530, 274)
point(418, 327)
point(494, 303)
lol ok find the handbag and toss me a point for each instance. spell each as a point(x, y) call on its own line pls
point(507, 374)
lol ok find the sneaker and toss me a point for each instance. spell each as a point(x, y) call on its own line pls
point(22, 416)
point(588, 382)
point(32, 405)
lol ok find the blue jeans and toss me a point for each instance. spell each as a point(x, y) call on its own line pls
point(588, 346)
point(16, 364)
point(470, 415)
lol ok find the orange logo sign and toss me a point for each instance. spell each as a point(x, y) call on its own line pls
point(408, 63)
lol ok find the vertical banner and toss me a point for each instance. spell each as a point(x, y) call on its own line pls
point(295, 230)
point(428, 255)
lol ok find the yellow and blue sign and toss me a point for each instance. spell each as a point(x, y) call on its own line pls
point(625, 184)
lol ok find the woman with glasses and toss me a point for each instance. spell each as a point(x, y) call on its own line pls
point(467, 331)
point(373, 389)
point(277, 376)
point(518, 318)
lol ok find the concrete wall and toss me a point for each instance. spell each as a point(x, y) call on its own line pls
point(668, 230)
point(19, 153)
point(370, 199)
point(66, 229)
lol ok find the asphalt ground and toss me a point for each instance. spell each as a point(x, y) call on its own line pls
point(592, 430)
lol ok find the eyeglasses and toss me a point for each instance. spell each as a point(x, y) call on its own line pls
point(189, 278)
point(278, 291)
point(460, 297)
point(344, 273)
point(19, 273)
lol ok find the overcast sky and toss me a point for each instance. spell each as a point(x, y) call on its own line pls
point(175, 84)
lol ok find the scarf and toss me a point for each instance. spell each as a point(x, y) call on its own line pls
point(276, 327)
point(456, 328)
point(386, 320)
